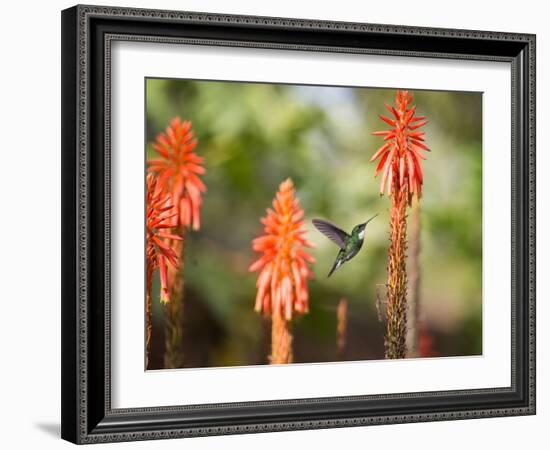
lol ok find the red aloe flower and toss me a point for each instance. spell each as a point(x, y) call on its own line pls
point(178, 169)
point(401, 154)
point(426, 344)
point(159, 213)
point(401, 168)
point(283, 267)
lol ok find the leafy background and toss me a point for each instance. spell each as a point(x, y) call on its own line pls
point(253, 136)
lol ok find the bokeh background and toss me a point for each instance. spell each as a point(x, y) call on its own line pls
point(253, 136)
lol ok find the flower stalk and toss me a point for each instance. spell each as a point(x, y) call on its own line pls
point(281, 339)
point(158, 253)
point(283, 269)
point(178, 169)
point(341, 328)
point(415, 280)
point(402, 178)
point(396, 312)
point(175, 310)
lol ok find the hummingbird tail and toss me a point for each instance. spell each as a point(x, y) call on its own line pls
point(334, 267)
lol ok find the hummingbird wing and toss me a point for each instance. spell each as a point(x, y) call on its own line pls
point(331, 231)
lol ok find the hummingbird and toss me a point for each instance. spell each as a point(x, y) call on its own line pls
point(349, 244)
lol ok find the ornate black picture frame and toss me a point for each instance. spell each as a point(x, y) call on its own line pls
point(87, 34)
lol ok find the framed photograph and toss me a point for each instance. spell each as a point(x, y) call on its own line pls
point(281, 224)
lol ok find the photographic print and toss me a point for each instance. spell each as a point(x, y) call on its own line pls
point(270, 203)
point(308, 224)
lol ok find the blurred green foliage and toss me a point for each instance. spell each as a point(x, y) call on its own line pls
point(253, 136)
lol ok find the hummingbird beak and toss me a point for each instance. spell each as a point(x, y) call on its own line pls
point(365, 224)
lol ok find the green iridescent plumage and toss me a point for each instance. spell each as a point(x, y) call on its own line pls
point(349, 244)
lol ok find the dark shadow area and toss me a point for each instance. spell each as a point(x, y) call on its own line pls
point(53, 429)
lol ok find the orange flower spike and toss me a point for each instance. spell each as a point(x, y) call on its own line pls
point(178, 170)
point(283, 268)
point(159, 215)
point(402, 151)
